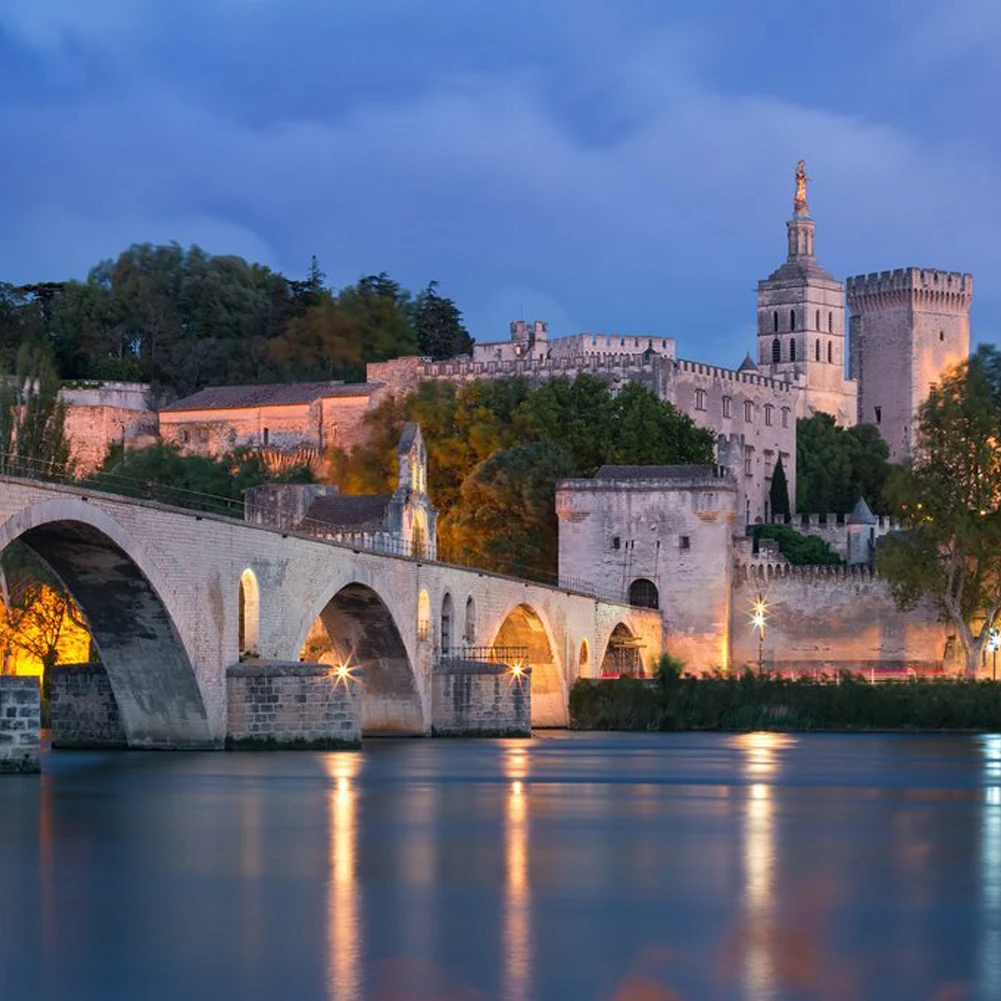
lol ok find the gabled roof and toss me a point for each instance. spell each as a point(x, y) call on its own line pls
point(359, 513)
point(411, 430)
point(280, 394)
point(861, 515)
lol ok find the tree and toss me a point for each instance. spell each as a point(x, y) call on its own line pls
point(798, 549)
point(32, 417)
point(506, 521)
point(778, 492)
point(949, 497)
point(438, 325)
point(835, 466)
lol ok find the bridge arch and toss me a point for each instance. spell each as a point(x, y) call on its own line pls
point(622, 653)
point(127, 605)
point(356, 628)
point(524, 627)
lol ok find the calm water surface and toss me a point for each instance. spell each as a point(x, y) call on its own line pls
point(574, 866)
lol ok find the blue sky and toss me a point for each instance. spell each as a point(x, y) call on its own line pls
point(620, 166)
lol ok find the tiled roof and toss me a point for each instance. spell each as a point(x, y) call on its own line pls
point(277, 394)
point(350, 513)
point(652, 472)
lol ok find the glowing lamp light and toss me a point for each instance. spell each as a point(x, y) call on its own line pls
point(759, 614)
point(994, 640)
point(342, 672)
point(518, 670)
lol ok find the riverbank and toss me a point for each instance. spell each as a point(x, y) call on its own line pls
point(756, 702)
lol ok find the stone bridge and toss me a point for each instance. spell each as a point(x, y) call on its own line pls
point(172, 597)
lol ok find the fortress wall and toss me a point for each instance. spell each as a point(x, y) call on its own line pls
point(831, 619)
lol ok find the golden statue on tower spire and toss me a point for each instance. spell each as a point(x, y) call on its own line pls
point(799, 205)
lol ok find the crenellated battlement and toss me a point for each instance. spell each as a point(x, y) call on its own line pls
point(759, 572)
point(803, 522)
point(732, 375)
point(536, 368)
point(926, 286)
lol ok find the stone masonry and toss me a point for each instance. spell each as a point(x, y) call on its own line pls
point(83, 709)
point(20, 723)
point(474, 699)
point(296, 705)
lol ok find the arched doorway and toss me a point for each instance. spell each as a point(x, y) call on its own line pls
point(623, 654)
point(523, 629)
point(446, 624)
point(643, 593)
point(250, 615)
point(470, 632)
point(356, 629)
point(151, 676)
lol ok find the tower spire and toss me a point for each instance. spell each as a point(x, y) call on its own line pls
point(800, 226)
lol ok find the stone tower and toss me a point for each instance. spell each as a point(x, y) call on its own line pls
point(801, 323)
point(907, 327)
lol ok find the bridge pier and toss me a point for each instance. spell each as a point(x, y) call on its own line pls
point(83, 712)
point(20, 723)
point(479, 699)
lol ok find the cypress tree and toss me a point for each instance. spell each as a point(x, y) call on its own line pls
point(779, 492)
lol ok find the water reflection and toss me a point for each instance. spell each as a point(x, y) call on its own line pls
point(516, 960)
point(990, 868)
point(344, 981)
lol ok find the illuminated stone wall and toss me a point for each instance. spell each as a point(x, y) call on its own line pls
point(471, 699)
point(20, 721)
point(292, 705)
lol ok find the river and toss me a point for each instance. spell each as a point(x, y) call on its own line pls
point(612, 867)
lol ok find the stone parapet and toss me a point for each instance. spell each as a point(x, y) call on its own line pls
point(82, 707)
point(276, 704)
point(20, 723)
point(733, 375)
point(473, 699)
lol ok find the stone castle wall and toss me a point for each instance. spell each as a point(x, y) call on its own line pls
point(20, 722)
point(473, 699)
point(83, 709)
point(292, 704)
point(833, 529)
point(832, 619)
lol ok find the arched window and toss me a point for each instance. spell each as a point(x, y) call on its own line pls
point(643, 594)
point(250, 615)
point(418, 536)
point(446, 623)
point(792, 351)
point(817, 352)
point(818, 319)
point(830, 323)
point(776, 349)
point(470, 620)
point(830, 352)
point(792, 319)
point(423, 615)
point(775, 322)
point(583, 657)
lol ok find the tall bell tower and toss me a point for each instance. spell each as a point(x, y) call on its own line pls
point(801, 322)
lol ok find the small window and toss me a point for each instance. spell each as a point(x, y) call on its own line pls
point(267, 436)
point(776, 350)
point(748, 411)
point(684, 542)
point(817, 351)
point(879, 414)
point(818, 319)
point(185, 436)
point(792, 319)
point(785, 417)
point(792, 351)
point(622, 342)
point(616, 542)
point(830, 353)
point(775, 322)
point(768, 414)
point(748, 460)
point(700, 399)
point(941, 335)
point(726, 406)
point(830, 323)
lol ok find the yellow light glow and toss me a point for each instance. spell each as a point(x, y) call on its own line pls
point(344, 671)
point(759, 613)
point(23, 638)
point(517, 670)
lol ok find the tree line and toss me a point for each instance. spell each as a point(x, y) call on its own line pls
point(183, 319)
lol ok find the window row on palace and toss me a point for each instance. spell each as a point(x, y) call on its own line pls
point(750, 409)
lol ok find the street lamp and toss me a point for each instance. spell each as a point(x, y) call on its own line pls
point(759, 615)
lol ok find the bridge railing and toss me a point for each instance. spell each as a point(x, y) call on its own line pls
point(379, 542)
point(509, 655)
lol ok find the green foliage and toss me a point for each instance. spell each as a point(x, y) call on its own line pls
point(161, 473)
point(835, 466)
point(762, 702)
point(950, 502)
point(778, 492)
point(183, 319)
point(497, 447)
point(799, 549)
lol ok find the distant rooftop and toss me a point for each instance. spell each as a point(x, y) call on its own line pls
point(273, 395)
point(357, 513)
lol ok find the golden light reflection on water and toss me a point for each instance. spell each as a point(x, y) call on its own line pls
point(516, 960)
point(990, 868)
point(344, 981)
